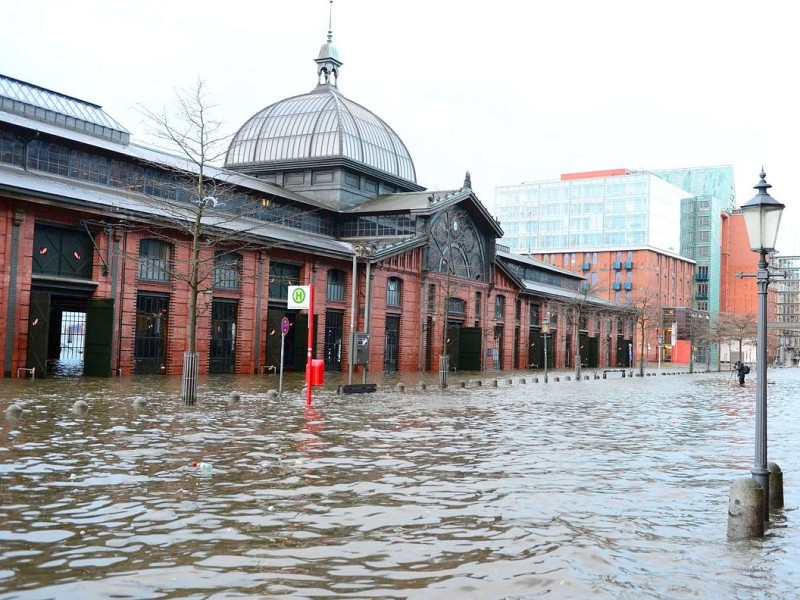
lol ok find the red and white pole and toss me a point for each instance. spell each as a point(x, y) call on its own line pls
point(310, 342)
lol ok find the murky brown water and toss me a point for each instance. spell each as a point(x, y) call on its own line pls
point(613, 488)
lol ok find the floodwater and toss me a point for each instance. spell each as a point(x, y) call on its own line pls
point(612, 488)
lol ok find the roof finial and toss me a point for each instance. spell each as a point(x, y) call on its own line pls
point(330, 23)
point(328, 62)
point(467, 181)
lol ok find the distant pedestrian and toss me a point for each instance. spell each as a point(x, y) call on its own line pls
point(741, 371)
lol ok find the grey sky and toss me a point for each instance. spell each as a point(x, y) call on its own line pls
point(511, 90)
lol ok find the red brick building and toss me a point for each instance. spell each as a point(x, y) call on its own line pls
point(97, 238)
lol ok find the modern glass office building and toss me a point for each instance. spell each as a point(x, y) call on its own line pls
point(613, 209)
point(673, 210)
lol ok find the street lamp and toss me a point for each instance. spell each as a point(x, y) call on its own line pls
point(660, 342)
point(762, 217)
point(545, 331)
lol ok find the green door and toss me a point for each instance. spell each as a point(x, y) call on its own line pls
point(38, 330)
point(469, 349)
point(99, 337)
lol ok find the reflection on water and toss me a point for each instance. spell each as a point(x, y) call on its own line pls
point(603, 489)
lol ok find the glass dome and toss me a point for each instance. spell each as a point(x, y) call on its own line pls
point(321, 124)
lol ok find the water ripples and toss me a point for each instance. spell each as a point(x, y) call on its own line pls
point(608, 489)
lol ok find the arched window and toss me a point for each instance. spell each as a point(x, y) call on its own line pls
point(499, 307)
point(335, 288)
point(393, 287)
point(226, 270)
point(154, 260)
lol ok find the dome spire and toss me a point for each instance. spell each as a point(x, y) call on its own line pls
point(328, 62)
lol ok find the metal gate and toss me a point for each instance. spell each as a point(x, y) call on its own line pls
point(334, 323)
point(224, 314)
point(150, 342)
point(392, 347)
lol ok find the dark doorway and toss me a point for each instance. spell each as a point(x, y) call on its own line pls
point(150, 341)
point(391, 349)
point(334, 325)
point(469, 349)
point(224, 314)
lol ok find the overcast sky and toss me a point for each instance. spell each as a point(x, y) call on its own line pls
point(512, 90)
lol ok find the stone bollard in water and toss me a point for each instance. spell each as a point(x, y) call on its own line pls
point(400, 388)
point(462, 384)
point(494, 382)
point(745, 510)
point(233, 398)
point(522, 381)
point(423, 386)
point(775, 486)
point(271, 394)
point(80, 407)
point(13, 410)
point(478, 383)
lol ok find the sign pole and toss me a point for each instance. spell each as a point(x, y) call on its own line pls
point(284, 331)
point(310, 342)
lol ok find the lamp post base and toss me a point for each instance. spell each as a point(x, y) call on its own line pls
point(761, 477)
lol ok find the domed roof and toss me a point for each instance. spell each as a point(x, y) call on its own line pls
point(318, 125)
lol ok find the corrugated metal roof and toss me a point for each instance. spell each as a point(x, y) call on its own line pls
point(45, 105)
point(127, 203)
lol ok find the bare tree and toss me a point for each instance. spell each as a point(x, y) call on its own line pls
point(454, 253)
point(578, 309)
point(195, 208)
point(645, 309)
point(738, 328)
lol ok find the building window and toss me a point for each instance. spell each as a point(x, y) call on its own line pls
point(393, 291)
point(431, 298)
point(281, 276)
point(478, 307)
point(226, 270)
point(457, 306)
point(499, 306)
point(535, 310)
point(517, 309)
point(704, 221)
point(335, 286)
point(154, 257)
point(630, 255)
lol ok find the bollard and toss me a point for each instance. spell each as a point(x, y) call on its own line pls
point(745, 510)
point(535, 380)
point(13, 410)
point(234, 397)
point(494, 383)
point(775, 486)
point(586, 378)
point(462, 384)
point(139, 403)
point(556, 379)
point(522, 381)
point(567, 378)
point(423, 386)
point(479, 383)
point(80, 407)
point(272, 394)
point(400, 388)
point(510, 381)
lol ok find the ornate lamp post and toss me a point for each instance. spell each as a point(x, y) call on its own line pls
point(762, 217)
point(545, 331)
